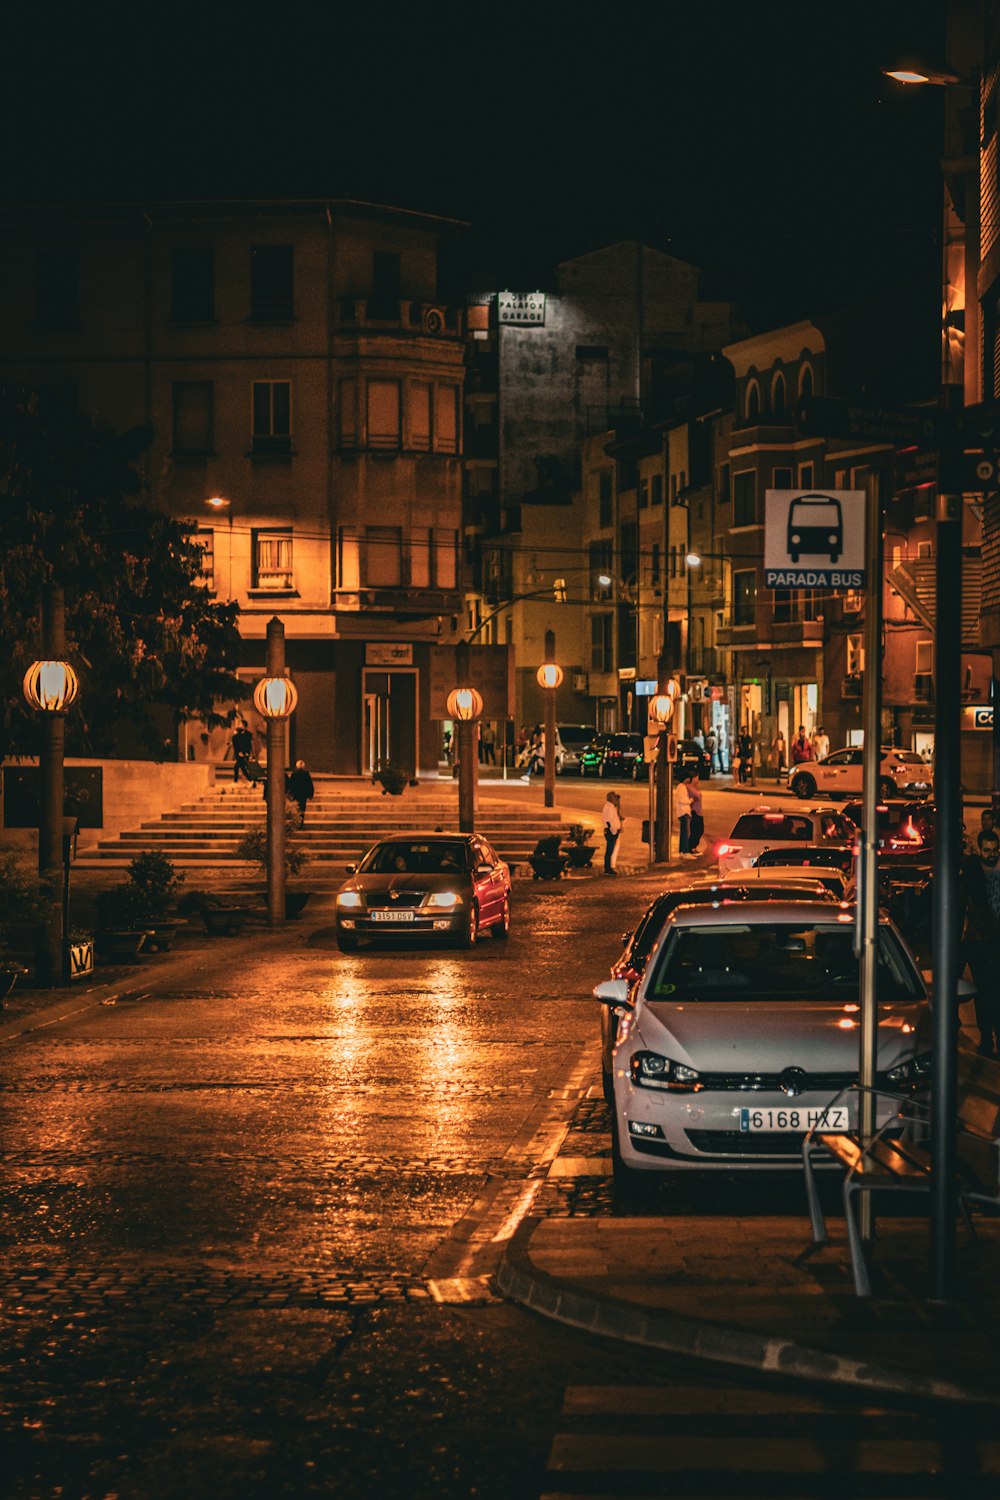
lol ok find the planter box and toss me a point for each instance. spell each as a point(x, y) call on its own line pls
point(547, 867)
point(120, 946)
point(579, 855)
point(163, 931)
point(227, 921)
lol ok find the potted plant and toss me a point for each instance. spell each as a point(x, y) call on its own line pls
point(154, 877)
point(122, 923)
point(220, 914)
point(548, 861)
point(253, 846)
point(578, 848)
point(393, 781)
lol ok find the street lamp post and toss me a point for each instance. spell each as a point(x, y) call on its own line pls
point(465, 706)
point(275, 698)
point(661, 710)
point(50, 686)
point(550, 675)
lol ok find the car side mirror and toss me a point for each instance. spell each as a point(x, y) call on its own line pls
point(626, 938)
point(350, 869)
point(614, 993)
point(484, 869)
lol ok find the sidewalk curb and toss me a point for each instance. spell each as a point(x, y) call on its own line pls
point(519, 1280)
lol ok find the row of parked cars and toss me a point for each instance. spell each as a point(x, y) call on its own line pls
point(582, 751)
point(730, 1020)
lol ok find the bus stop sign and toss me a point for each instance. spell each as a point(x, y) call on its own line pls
point(814, 539)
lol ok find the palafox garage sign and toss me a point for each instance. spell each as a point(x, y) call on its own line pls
point(814, 539)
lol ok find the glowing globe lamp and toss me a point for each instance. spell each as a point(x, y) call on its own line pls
point(465, 704)
point(50, 686)
point(275, 697)
point(661, 708)
point(549, 674)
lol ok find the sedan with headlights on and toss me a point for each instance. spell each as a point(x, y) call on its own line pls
point(433, 885)
point(742, 1030)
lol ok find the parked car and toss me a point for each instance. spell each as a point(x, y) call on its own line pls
point(611, 755)
point(690, 757)
point(832, 880)
point(743, 1028)
point(425, 885)
point(902, 825)
point(811, 857)
point(764, 826)
point(640, 943)
point(571, 741)
point(901, 773)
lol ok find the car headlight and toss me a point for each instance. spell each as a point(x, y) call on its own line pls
point(913, 1073)
point(651, 1071)
point(349, 898)
point(444, 898)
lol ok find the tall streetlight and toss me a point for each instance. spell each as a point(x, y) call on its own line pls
point(50, 686)
point(465, 705)
point(549, 676)
point(275, 698)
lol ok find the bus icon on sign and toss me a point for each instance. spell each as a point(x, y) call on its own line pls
point(815, 527)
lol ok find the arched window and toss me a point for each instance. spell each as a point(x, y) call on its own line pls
point(778, 397)
point(806, 382)
point(753, 402)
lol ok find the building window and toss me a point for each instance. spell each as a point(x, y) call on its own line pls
point(605, 498)
point(643, 494)
point(853, 601)
point(446, 419)
point(753, 402)
point(745, 498)
point(272, 416)
point(805, 383)
point(192, 284)
point(420, 557)
point(420, 415)
point(348, 559)
point(387, 283)
point(778, 397)
point(855, 658)
point(923, 677)
point(383, 414)
point(57, 287)
point(806, 472)
point(600, 643)
point(859, 477)
point(347, 413)
point(271, 299)
point(723, 483)
point(193, 402)
point(272, 559)
point(745, 597)
point(793, 606)
point(656, 490)
point(204, 540)
point(383, 557)
point(781, 479)
point(445, 558)
point(925, 551)
point(601, 566)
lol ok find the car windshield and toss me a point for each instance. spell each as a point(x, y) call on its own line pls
point(831, 857)
point(773, 826)
point(413, 857)
point(575, 734)
point(775, 961)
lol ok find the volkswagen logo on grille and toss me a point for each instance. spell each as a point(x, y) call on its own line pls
point(793, 1082)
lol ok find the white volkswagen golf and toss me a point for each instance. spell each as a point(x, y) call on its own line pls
point(743, 1028)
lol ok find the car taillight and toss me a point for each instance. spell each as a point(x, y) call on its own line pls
point(729, 849)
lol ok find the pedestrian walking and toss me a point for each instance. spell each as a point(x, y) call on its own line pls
point(612, 820)
point(699, 738)
point(712, 746)
point(802, 749)
point(746, 748)
point(242, 751)
point(487, 745)
point(778, 757)
point(980, 883)
point(820, 744)
point(697, 818)
point(682, 812)
point(301, 789)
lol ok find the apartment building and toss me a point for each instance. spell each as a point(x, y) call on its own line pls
point(303, 382)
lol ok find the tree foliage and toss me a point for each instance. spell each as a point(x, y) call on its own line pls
point(150, 646)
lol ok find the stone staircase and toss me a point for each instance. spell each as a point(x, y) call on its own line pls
point(342, 821)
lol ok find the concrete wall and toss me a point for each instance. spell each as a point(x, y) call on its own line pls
point(135, 791)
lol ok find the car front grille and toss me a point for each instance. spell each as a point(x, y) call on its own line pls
point(379, 900)
point(752, 1083)
point(733, 1143)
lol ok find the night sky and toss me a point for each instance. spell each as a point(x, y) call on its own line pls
point(760, 140)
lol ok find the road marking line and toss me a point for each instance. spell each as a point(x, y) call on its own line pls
point(461, 1289)
point(580, 1166)
point(517, 1213)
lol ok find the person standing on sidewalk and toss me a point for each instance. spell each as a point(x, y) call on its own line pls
point(746, 748)
point(980, 882)
point(697, 819)
point(802, 749)
point(682, 812)
point(612, 819)
point(711, 745)
point(777, 759)
point(242, 751)
point(487, 745)
point(301, 789)
point(820, 744)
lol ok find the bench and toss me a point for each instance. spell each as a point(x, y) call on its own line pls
point(894, 1160)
